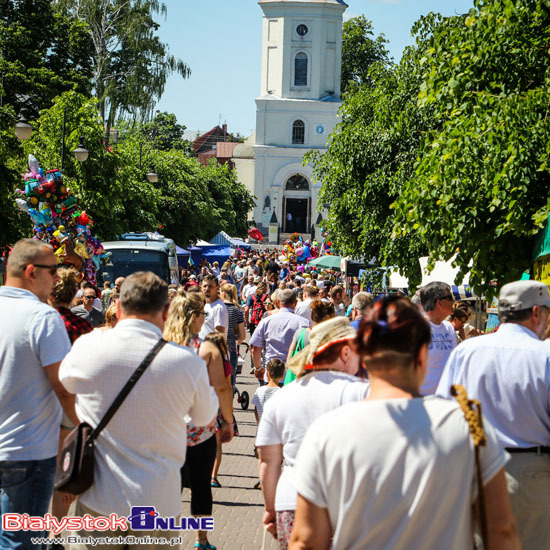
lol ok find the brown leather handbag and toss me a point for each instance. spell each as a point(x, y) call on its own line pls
point(75, 464)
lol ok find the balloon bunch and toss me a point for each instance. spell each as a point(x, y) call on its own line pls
point(326, 244)
point(297, 251)
point(59, 221)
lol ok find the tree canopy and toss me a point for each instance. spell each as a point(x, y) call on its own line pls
point(189, 202)
point(130, 63)
point(359, 51)
point(446, 153)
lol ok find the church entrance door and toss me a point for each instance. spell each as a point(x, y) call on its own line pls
point(296, 215)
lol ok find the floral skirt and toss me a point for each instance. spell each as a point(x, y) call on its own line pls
point(285, 521)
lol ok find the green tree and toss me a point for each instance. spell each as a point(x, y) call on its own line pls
point(360, 50)
point(14, 223)
point(165, 134)
point(94, 182)
point(42, 54)
point(130, 63)
point(482, 178)
point(370, 158)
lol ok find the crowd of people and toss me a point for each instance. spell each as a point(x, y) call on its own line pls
point(360, 441)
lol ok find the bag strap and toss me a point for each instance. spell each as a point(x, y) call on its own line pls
point(127, 389)
point(300, 343)
point(472, 413)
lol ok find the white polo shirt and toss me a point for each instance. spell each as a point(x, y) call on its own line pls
point(140, 452)
point(32, 336)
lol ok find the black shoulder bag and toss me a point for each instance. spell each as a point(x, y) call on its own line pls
point(75, 464)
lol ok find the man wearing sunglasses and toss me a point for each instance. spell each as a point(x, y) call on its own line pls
point(33, 341)
point(437, 301)
point(87, 310)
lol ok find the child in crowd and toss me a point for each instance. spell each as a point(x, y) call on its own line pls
point(275, 372)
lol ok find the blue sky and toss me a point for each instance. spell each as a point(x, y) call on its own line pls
point(221, 41)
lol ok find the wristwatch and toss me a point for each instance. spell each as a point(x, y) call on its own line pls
point(256, 368)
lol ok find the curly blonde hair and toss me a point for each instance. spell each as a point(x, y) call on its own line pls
point(184, 307)
point(65, 288)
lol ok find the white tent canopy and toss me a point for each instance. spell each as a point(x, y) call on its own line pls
point(443, 271)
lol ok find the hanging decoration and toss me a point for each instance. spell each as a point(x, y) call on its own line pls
point(60, 222)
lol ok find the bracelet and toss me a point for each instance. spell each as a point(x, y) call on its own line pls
point(256, 368)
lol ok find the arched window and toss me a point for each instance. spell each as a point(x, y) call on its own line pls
point(297, 183)
point(298, 132)
point(300, 69)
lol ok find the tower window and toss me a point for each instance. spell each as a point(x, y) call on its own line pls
point(300, 69)
point(298, 132)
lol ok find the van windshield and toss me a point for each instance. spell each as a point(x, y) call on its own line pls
point(124, 262)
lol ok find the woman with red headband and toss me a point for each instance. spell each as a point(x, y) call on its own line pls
point(326, 378)
point(398, 470)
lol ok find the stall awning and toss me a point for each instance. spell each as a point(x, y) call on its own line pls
point(222, 238)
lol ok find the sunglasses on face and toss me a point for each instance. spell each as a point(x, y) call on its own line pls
point(51, 268)
point(89, 297)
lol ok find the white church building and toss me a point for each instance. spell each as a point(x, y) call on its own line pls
point(296, 112)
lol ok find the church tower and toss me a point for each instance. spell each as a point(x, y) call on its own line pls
point(297, 109)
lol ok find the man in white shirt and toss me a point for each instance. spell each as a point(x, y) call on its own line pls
point(337, 299)
point(509, 372)
point(250, 287)
point(303, 308)
point(216, 319)
point(140, 452)
point(33, 341)
point(437, 302)
point(240, 275)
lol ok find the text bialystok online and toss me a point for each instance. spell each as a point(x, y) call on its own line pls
point(141, 518)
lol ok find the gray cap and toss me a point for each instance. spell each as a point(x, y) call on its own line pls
point(523, 295)
point(257, 280)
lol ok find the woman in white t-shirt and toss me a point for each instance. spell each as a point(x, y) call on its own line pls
point(326, 370)
point(397, 470)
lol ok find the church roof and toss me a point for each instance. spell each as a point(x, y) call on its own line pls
point(330, 2)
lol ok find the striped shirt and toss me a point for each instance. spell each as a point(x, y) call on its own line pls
point(263, 393)
point(235, 316)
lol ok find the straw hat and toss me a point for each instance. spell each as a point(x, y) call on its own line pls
point(321, 337)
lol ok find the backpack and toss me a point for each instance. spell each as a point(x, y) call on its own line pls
point(258, 309)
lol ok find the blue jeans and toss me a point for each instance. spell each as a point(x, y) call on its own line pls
point(26, 487)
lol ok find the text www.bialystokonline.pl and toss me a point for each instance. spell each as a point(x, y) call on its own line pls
point(96, 541)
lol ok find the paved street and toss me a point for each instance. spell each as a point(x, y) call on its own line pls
point(237, 505)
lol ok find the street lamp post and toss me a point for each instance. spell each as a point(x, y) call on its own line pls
point(81, 153)
point(23, 129)
point(152, 176)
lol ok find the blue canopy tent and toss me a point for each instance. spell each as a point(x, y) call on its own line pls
point(222, 238)
point(196, 255)
point(215, 253)
point(183, 256)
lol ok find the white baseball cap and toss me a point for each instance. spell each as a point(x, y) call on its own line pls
point(523, 295)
